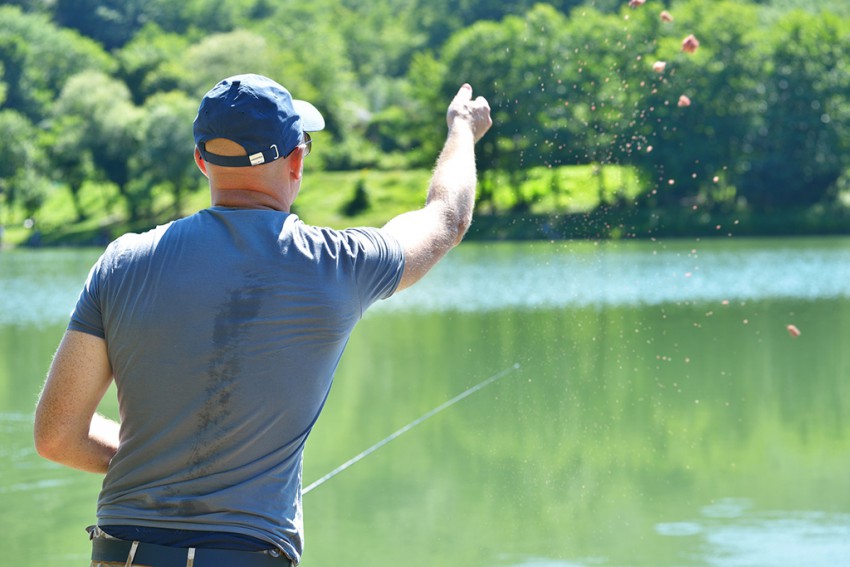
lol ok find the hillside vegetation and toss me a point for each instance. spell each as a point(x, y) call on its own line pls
point(598, 109)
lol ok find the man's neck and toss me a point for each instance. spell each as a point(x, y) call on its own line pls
point(246, 199)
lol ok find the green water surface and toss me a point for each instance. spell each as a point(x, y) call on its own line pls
point(660, 415)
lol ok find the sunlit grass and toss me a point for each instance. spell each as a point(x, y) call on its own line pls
point(325, 200)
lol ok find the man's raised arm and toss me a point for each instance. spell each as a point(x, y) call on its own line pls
point(428, 233)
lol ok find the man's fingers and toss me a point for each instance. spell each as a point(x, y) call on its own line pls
point(464, 93)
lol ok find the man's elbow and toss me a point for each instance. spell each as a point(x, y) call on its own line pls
point(47, 447)
point(455, 224)
point(461, 227)
point(50, 442)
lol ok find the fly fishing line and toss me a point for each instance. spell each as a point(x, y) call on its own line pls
point(466, 393)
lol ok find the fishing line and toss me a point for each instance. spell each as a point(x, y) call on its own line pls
point(468, 392)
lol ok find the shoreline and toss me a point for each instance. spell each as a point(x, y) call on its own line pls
point(599, 224)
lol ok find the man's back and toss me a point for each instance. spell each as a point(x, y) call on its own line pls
point(248, 312)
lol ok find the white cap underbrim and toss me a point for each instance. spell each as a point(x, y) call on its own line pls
point(311, 119)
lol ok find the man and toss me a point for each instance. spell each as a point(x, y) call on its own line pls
point(222, 331)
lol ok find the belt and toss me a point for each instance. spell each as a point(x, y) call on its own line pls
point(118, 550)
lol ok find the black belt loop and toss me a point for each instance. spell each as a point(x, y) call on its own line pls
point(130, 553)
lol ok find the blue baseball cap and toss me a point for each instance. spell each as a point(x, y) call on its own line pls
point(258, 114)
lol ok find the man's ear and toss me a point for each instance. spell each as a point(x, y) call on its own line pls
point(296, 163)
point(199, 161)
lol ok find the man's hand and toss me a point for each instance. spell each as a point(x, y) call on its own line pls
point(475, 113)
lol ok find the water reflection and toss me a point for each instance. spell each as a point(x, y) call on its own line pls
point(746, 539)
point(40, 287)
point(731, 533)
point(615, 444)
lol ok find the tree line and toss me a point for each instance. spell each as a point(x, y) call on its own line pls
point(757, 117)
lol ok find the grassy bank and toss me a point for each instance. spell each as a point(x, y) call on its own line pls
point(546, 204)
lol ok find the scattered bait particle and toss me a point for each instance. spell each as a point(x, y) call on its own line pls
point(716, 179)
point(659, 66)
point(684, 101)
point(690, 44)
point(666, 16)
point(688, 274)
point(648, 149)
point(636, 3)
point(725, 302)
point(793, 331)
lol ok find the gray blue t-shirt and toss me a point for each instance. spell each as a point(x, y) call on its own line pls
point(224, 330)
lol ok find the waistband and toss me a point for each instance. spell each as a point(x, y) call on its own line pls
point(140, 553)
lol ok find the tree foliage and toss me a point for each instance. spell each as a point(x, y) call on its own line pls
point(798, 144)
point(101, 90)
point(21, 180)
point(38, 58)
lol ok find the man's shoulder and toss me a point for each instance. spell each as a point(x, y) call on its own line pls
point(132, 244)
point(350, 238)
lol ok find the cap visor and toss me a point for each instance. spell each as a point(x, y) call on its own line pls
point(311, 119)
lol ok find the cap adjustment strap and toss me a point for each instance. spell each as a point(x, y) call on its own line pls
point(258, 158)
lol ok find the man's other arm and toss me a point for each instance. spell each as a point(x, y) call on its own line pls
point(67, 428)
point(428, 233)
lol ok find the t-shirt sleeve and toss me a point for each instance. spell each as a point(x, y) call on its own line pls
point(87, 315)
point(378, 263)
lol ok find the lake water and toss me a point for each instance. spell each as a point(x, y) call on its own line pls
point(654, 411)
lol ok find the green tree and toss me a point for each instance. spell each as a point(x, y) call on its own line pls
point(114, 23)
point(3, 86)
point(562, 90)
point(97, 121)
point(682, 149)
point(165, 152)
point(215, 57)
point(71, 161)
point(426, 105)
point(38, 58)
point(151, 62)
point(522, 65)
point(215, 16)
point(800, 143)
point(22, 182)
point(110, 22)
point(359, 200)
point(443, 18)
